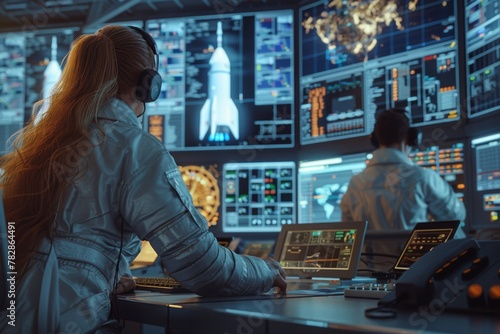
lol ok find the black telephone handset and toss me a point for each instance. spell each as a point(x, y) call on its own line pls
point(415, 287)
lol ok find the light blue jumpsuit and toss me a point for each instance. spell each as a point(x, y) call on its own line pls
point(131, 190)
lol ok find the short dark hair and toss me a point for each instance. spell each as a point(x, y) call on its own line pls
point(392, 127)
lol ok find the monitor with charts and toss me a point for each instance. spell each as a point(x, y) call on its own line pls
point(424, 237)
point(321, 249)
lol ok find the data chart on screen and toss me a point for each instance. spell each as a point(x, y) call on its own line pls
point(356, 60)
point(258, 196)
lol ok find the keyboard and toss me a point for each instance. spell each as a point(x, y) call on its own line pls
point(159, 284)
point(369, 290)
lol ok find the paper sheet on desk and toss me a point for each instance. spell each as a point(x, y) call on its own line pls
point(316, 292)
point(167, 298)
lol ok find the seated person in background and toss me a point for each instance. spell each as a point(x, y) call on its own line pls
point(85, 184)
point(394, 193)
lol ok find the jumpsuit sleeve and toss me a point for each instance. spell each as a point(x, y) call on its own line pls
point(443, 204)
point(157, 205)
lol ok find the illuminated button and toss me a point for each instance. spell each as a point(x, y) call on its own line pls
point(475, 295)
point(467, 274)
point(494, 296)
point(474, 291)
point(441, 272)
point(478, 264)
point(463, 253)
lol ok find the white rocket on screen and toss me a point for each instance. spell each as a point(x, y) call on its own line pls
point(219, 112)
point(53, 71)
point(50, 77)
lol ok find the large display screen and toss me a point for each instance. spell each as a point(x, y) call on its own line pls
point(322, 183)
point(12, 78)
point(202, 182)
point(486, 152)
point(356, 59)
point(448, 159)
point(45, 51)
point(258, 196)
point(227, 81)
point(483, 56)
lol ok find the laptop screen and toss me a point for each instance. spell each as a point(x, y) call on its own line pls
point(321, 249)
point(147, 256)
point(424, 237)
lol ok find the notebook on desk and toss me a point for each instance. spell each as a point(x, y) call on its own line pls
point(321, 250)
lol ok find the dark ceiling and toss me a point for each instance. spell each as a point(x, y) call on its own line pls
point(29, 15)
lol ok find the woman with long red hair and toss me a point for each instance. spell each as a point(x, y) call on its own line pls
point(84, 184)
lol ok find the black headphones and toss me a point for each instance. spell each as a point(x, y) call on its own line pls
point(149, 85)
point(413, 137)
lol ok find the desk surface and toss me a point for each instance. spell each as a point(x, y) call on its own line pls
point(189, 313)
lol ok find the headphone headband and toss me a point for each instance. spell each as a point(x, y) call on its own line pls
point(149, 85)
point(147, 37)
point(413, 136)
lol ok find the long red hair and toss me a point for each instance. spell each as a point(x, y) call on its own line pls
point(45, 158)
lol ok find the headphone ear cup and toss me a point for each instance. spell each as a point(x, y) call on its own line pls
point(414, 137)
point(374, 140)
point(149, 86)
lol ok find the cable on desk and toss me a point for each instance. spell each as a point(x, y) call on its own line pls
point(381, 311)
point(366, 270)
point(379, 275)
point(371, 263)
point(381, 255)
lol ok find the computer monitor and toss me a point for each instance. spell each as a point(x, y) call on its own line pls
point(258, 196)
point(424, 237)
point(45, 51)
point(202, 180)
point(382, 247)
point(385, 243)
point(482, 45)
point(448, 159)
point(322, 183)
point(146, 257)
point(355, 60)
point(486, 158)
point(12, 78)
point(321, 249)
point(259, 248)
point(228, 81)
